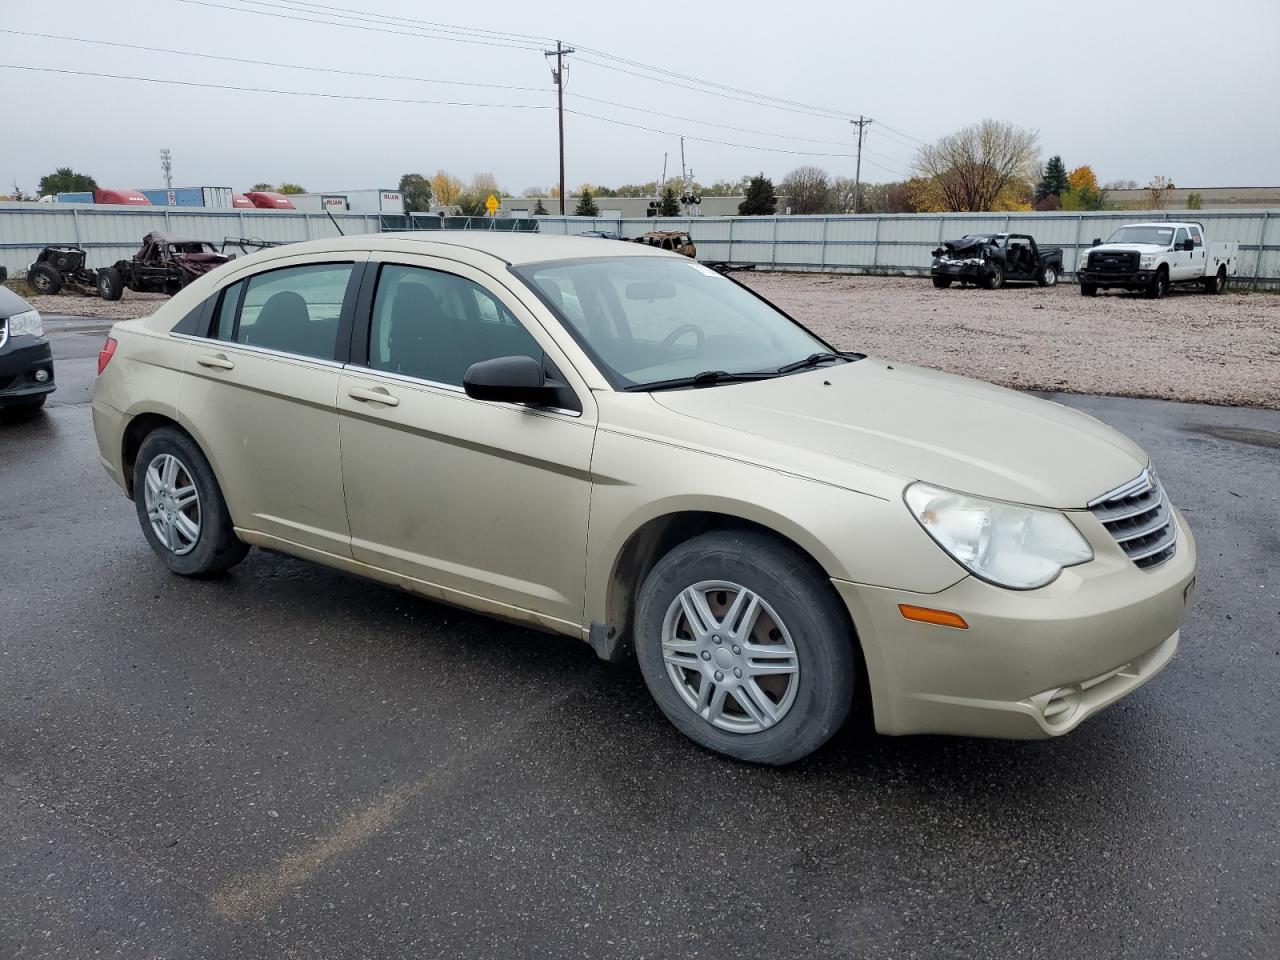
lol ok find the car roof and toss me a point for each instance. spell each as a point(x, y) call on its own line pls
point(510, 247)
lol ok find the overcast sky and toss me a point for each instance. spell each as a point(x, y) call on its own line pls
point(1190, 93)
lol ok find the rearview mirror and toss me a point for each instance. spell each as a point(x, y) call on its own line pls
point(1097, 241)
point(1189, 245)
point(651, 290)
point(510, 380)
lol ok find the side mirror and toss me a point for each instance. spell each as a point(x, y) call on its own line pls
point(510, 380)
point(1189, 245)
point(1097, 242)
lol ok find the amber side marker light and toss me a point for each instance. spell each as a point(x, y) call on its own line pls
point(942, 618)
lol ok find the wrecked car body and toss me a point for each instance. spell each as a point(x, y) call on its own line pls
point(164, 264)
point(990, 259)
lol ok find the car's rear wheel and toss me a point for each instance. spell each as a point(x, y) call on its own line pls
point(44, 280)
point(1048, 276)
point(745, 648)
point(180, 506)
point(942, 282)
point(110, 286)
point(1216, 284)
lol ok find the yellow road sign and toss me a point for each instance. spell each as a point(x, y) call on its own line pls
point(491, 204)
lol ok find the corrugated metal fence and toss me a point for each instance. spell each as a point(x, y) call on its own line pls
point(886, 244)
point(902, 243)
point(108, 233)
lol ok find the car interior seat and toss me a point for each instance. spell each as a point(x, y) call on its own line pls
point(425, 340)
point(284, 323)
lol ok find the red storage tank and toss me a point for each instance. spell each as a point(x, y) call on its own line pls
point(266, 200)
point(132, 198)
point(240, 200)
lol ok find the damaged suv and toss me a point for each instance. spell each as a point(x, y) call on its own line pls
point(990, 259)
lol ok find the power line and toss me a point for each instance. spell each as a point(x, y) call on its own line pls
point(455, 28)
point(285, 93)
point(403, 77)
point(420, 35)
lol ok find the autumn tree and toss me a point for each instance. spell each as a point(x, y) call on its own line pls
point(586, 205)
point(1053, 181)
point(1157, 192)
point(483, 184)
point(669, 205)
point(1083, 192)
point(973, 167)
point(65, 180)
point(728, 188)
point(471, 204)
point(807, 189)
point(758, 199)
point(415, 189)
point(446, 188)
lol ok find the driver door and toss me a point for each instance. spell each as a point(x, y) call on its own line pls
point(480, 503)
point(1181, 262)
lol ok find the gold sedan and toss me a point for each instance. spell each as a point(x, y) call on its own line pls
point(616, 443)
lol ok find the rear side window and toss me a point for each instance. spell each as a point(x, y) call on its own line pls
point(292, 310)
point(1195, 235)
point(433, 325)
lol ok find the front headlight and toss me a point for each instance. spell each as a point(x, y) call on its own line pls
point(1147, 261)
point(1003, 543)
point(27, 322)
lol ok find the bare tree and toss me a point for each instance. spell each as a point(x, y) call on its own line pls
point(1157, 192)
point(973, 167)
point(807, 190)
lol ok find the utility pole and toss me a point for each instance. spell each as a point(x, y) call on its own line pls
point(860, 123)
point(166, 165)
point(560, 52)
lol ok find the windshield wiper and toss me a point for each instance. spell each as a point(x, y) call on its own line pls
point(812, 360)
point(707, 378)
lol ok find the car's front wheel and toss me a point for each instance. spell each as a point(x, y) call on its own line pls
point(745, 647)
point(1158, 286)
point(1048, 275)
point(44, 280)
point(110, 285)
point(180, 506)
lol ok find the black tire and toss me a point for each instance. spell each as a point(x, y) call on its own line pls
point(996, 280)
point(110, 286)
point(217, 547)
point(1158, 286)
point(1048, 276)
point(1217, 284)
point(802, 597)
point(1088, 289)
point(44, 280)
point(942, 282)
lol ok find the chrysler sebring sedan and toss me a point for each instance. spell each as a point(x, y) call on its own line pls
point(616, 443)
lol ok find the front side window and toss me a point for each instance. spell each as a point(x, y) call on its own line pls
point(649, 320)
point(1180, 237)
point(433, 325)
point(293, 310)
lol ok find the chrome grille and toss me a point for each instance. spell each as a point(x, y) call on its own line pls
point(1138, 516)
point(1122, 261)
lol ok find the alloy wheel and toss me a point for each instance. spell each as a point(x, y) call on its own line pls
point(730, 657)
point(173, 504)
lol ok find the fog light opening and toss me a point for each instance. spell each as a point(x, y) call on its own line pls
point(42, 376)
point(1061, 706)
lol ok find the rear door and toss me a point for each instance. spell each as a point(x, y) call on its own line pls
point(1199, 254)
point(259, 393)
point(482, 503)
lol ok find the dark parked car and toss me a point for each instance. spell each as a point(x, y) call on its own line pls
point(990, 259)
point(26, 362)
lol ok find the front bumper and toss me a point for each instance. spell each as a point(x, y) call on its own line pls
point(1131, 281)
point(959, 271)
point(20, 359)
point(1032, 664)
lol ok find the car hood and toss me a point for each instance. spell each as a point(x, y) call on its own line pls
point(11, 303)
point(926, 425)
point(1127, 247)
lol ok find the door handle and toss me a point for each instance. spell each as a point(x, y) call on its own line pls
point(376, 395)
point(215, 360)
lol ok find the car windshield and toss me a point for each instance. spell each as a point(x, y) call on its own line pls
point(651, 320)
point(1152, 234)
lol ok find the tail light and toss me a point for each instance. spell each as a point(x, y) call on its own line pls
point(106, 353)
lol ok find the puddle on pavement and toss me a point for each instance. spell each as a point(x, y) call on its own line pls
point(1257, 438)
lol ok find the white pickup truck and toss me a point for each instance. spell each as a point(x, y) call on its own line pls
point(1152, 256)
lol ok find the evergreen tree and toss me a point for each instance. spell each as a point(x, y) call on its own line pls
point(1053, 182)
point(65, 180)
point(538, 209)
point(670, 205)
point(760, 200)
point(586, 205)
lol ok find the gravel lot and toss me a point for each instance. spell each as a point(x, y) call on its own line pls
point(1189, 346)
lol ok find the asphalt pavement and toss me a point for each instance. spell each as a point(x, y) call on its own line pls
point(291, 762)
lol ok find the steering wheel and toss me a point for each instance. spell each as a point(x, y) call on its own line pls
point(670, 340)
